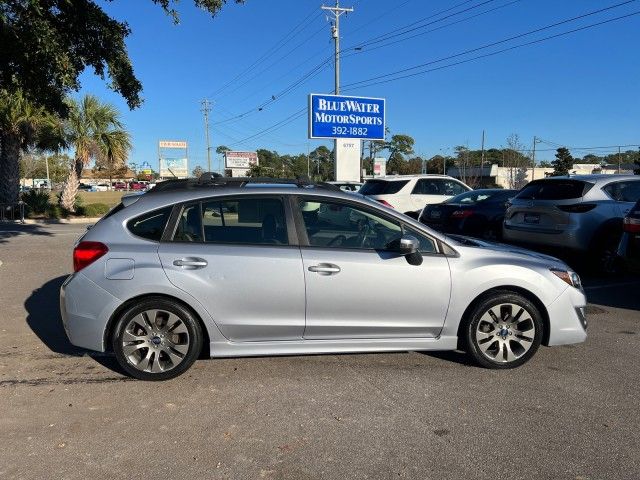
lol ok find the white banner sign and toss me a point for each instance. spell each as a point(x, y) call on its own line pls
point(174, 168)
point(172, 144)
point(240, 159)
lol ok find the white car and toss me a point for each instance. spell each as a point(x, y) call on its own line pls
point(347, 186)
point(410, 193)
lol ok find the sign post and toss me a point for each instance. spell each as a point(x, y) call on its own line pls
point(348, 120)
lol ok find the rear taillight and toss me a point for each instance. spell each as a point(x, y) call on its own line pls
point(86, 253)
point(631, 225)
point(462, 213)
point(577, 207)
point(385, 203)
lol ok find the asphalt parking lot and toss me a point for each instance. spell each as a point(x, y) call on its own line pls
point(572, 412)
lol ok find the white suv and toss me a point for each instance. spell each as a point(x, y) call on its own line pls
point(410, 193)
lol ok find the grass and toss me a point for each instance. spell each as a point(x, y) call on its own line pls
point(109, 198)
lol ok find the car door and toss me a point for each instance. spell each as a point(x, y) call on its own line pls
point(237, 257)
point(356, 288)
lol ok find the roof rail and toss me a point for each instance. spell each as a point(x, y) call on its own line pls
point(212, 179)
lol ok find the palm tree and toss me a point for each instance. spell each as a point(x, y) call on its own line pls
point(22, 126)
point(94, 130)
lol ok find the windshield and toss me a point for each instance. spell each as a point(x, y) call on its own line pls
point(477, 196)
point(382, 187)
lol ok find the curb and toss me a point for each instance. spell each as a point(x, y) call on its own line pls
point(58, 221)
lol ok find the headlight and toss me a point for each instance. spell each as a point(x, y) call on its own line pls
point(568, 276)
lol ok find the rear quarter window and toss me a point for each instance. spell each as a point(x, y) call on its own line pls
point(150, 225)
point(554, 190)
point(628, 191)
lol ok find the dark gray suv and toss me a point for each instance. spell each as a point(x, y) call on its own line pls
point(581, 213)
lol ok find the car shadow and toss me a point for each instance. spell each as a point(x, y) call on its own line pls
point(44, 319)
point(453, 356)
point(9, 230)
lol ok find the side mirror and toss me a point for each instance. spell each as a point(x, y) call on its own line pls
point(406, 245)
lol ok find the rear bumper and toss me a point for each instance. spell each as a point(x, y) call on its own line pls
point(567, 319)
point(569, 238)
point(86, 309)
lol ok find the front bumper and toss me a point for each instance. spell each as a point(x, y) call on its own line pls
point(86, 309)
point(567, 318)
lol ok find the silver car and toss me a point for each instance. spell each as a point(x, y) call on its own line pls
point(581, 212)
point(235, 268)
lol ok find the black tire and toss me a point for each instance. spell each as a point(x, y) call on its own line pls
point(476, 323)
point(607, 261)
point(188, 340)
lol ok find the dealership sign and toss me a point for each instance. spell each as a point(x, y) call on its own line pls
point(340, 116)
point(240, 159)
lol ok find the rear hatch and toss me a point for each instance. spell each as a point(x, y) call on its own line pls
point(439, 215)
point(546, 206)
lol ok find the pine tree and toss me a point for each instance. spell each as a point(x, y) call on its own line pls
point(563, 163)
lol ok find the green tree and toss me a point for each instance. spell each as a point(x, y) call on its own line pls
point(545, 164)
point(399, 146)
point(23, 125)
point(47, 44)
point(563, 163)
point(321, 160)
point(220, 150)
point(34, 165)
point(95, 132)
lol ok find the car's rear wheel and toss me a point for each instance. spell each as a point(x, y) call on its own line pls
point(503, 331)
point(156, 339)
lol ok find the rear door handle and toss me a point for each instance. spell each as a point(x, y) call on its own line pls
point(190, 262)
point(325, 269)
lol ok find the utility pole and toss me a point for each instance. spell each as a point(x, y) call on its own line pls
point(482, 155)
point(533, 158)
point(337, 11)
point(46, 160)
point(619, 161)
point(335, 33)
point(206, 108)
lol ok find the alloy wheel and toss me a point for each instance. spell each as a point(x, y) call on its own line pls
point(505, 332)
point(155, 341)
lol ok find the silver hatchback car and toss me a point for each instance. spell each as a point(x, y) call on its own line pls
point(239, 267)
point(581, 212)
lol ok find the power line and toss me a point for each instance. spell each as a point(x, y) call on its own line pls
point(277, 46)
point(359, 49)
point(321, 66)
point(368, 82)
point(261, 72)
point(398, 31)
point(371, 81)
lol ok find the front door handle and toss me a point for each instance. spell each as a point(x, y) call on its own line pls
point(190, 262)
point(325, 269)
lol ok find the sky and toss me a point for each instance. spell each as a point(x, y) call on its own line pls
point(578, 90)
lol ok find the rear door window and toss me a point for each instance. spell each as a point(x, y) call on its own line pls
point(427, 186)
point(150, 225)
point(554, 190)
point(382, 187)
point(242, 221)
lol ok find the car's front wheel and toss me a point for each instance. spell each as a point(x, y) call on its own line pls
point(503, 331)
point(156, 339)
